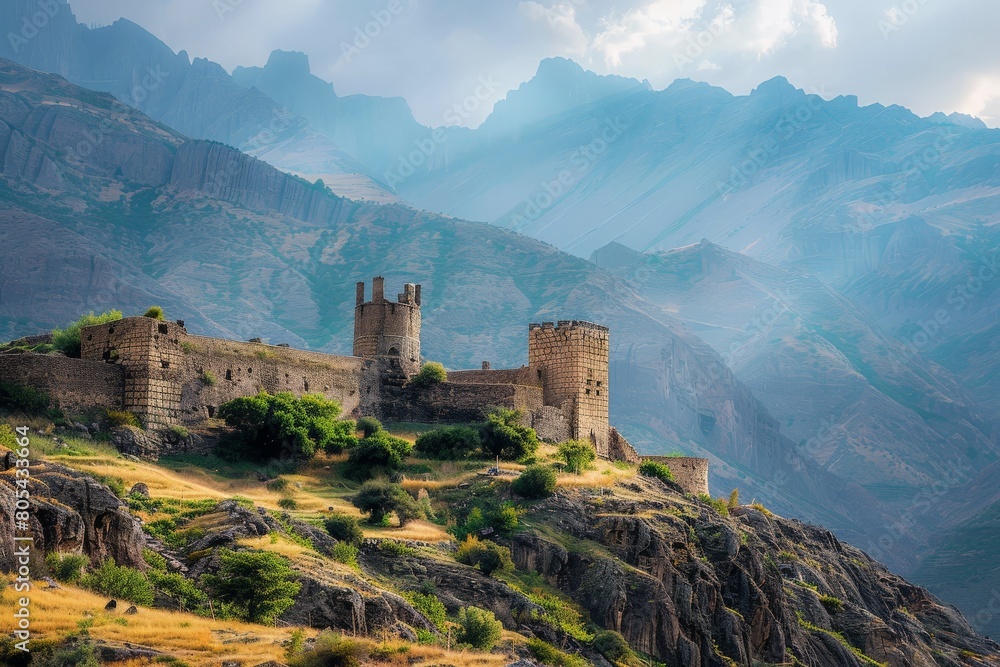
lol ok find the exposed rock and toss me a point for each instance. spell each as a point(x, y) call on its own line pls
point(139, 489)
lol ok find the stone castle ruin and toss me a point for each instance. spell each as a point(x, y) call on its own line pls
point(168, 377)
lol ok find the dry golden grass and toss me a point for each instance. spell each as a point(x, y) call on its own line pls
point(420, 531)
point(279, 545)
point(196, 640)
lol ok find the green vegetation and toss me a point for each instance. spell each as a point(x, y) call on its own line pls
point(832, 604)
point(208, 378)
point(155, 313)
point(369, 426)
point(332, 650)
point(68, 340)
point(378, 499)
point(479, 628)
point(27, 400)
point(259, 585)
point(537, 481)
point(612, 646)
point(488, 556)
point(346, 553)
point(720, 505)
point(451, 443)
point(8, 438)
point(504, 436)
point(288, 503)
point(547, 654)
point(119, 582)
point(734, 500)
point(282, 426)
point(842, 640)
point(378, 454)
point(579, 455)
point(120, 418)
point(67, 568)
point(396, 548)
point(344, 527)
point(430, 373)
point(431, 607)
point(182, 591)
point(179, 432)
point(487, 513)
point(658, 470)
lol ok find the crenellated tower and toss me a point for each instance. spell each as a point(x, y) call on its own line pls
point(570, 360)
point(389, 329)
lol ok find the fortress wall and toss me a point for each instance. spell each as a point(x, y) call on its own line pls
point(244, 369)
point(523, 376)
point(452, 402)
point(690, 473)
point(75, 385)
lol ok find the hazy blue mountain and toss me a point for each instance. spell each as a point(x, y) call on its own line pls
point(196, 97)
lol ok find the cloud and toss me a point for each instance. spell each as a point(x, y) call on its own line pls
point(569, 38)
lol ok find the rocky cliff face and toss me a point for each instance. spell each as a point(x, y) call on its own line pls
point(72, 513)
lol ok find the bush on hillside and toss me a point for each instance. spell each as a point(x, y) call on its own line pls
point(430, 373)
point(657, 470)
point(479, 628)
point(119, 582)
point(379, 454)
point(344, 528)
point(451, 443)
point(369, 426)
point(503, 435)
point(259, 585)
point(488, 556)
point(66, 567)
point(155, 313)
point(379, 499)
point(537, 481)
point(579, 455)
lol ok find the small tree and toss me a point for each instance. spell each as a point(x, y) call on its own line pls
point(479, 628)
point(68, 339)
point(283, 426)
point(579, 455)
point(120, 582)
point(450, 443)
point(344, 528)
point(155, 313)
point(379, 454)
point(503, 435)
point(258, 584)
point(430, 373)
point(734, 499)
point(536, 481)
point(378, 499)
point(488, 556)
point(369, 426)
point(66, 567)
point(612, 646)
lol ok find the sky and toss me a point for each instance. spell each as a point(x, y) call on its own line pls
point(926, 55)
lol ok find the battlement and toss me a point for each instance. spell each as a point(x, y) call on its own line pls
point(570, 324)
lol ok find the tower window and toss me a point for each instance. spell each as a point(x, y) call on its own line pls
point(588, 392)
point(229, 374)
point(393, 352)
point(162, 328)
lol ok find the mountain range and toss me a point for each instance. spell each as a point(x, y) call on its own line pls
point(830, 346)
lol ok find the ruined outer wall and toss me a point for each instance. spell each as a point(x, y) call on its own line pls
point(75, 385)
point(458, 403)
point(523, 376)
point(244, 369)
point(573, 360)
point(690, 473)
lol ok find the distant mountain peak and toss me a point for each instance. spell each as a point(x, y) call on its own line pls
point(295, 63)
point(776, 86)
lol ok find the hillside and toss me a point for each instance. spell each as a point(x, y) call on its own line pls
point(682, 581)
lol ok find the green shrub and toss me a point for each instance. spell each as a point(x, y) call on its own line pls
point(8, 438)
point(658, 470)
point(346, 553)
point(184, 592)
point(288, 503)
point(479, 628)
point(67, 568)
point(275, 426)
point(155, 313)
point(504, 436)
point(332, 650)
point(115, 484)
point(832, 604)
point(154, 560)
point(369, 426)
point(451, 443)
point(344, 528)
point(258, 584)
point(119, 418)
point(17, 398)
point(549, 655)
point(431, 607)
point(119, 582)
point(720, 505)
point(208, 377)
point(734, 499)
point(378, 499)
point(430, 373)
point(579, 455)
point(179, 432)
point(396, 548)
point(68, 339)
point(612, 646)
point(507, 518)
point(379, 454)
point(488, 556)
point(537, 481)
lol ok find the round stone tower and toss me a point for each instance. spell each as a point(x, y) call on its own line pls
point(389, 329)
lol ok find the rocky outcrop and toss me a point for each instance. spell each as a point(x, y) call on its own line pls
point(72, 512)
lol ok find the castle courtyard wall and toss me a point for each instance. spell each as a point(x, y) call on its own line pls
point(75, 385)
point(449, 402)
point(523, 376)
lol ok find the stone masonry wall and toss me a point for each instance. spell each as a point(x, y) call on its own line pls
point(391, 328)
point(690, 473)
point(217, 371)
point(524, 376)
point(458, 403)
point(75, 385)
point(573, 360)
